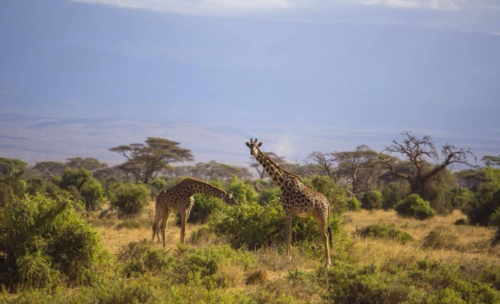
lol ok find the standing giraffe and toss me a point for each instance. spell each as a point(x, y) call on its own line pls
point(296, 199)
point(179, 198)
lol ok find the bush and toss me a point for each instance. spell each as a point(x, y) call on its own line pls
point(242, 192)
point(91, 190)
point(42, 237)
point(422, 282)
point(204, 205)
point(372, 200)
point(486, 201)
point(440, 239)
point(155, 186)
point(382, 231)
point(394, 193)
point(140, 258)
point(415, 207)
point(269, 195)
point(129, 198)
point(461, 222)
point(353, 204)
point(254, 225)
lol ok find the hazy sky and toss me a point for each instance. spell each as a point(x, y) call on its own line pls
point(432, 66)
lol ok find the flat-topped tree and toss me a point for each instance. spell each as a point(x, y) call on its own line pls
point(296, 198)
point(419, 152)
point(88, 163)
point(491, 160)
point(144, 160)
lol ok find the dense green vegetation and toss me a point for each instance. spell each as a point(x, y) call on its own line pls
point(51, 252)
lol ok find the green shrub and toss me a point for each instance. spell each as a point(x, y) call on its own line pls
point(91, 190)
point(129, 198)
point(383, 231)
point(440, 238)
point(423, 282)
point(204, 205)
point(242, 192)
point(372, 200)
point(139, 258)
point(353, 204)
point(486, 201)
point(256, 225)
point(415, 207)
point(269, 195)
point(155, 186)
point(394, 193)
point(42, 237)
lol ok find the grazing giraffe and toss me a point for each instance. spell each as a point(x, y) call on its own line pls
point(296, 199)
point(179, 198)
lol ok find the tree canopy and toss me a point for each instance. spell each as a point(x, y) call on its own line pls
point(419, 152)
point(146, 160)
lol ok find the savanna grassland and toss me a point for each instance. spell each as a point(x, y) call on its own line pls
point(370, 269)
point(403, 231)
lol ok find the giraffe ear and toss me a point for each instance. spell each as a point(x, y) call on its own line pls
point(260, 144)
point(248, 145)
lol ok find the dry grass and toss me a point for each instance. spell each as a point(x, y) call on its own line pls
point(472, 242)
point(470, 248)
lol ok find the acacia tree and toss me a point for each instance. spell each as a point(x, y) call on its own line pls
point(280, 161)
point(213, 170)
point(145, 160)
point(88, 163)
point(491, 160)
point(419, 151)
point(48, 169)
point(326, 162)
point(358, 166)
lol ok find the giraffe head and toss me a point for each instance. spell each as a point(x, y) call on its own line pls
point(229, 199)
point(254, 146)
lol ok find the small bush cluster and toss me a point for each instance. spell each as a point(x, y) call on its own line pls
point(372, 200)
point(255, 226)
point(382, 231)
point(91, 193)
point(415, 207)
point(129, 198)
point(353, 204)
point(204, 205)
point(485, 203)
point(440, 238)
point(423, 282)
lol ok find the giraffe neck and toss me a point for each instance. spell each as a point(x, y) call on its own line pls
point(277, 174)
point(196, 186)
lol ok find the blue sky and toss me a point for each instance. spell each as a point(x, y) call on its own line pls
point(287, 66)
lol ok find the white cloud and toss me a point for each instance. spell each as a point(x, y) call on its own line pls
point(229, 7)
point(429, 4)
point(197, 7)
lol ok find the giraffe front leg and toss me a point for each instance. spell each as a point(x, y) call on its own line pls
point(288, 235)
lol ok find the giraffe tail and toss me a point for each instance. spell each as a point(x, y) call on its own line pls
point(330, 236)
point(329, 228)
